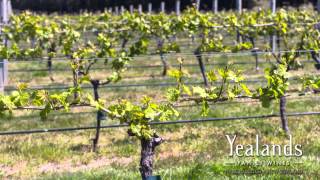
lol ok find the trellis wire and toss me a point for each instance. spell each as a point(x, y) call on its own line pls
point(156, 123)
point(206, 54)
point(149, 66)
point(130, 85)
point(180, 106)
point(185, 43)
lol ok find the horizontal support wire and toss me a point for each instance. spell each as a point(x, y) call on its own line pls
point(105, 86)
point(157, 123)
point(180, 106)
point(149, 66)
point(204, 54)
point(168, 84)
point(183, 43)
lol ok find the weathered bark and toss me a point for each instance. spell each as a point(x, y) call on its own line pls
point(52, 49)
point(33, 43)
point(75, 76)
point(49, 65)
point(272, 39)
point(279, 46)
point(100, 115)
point(163, 59)
point(96, 139)
point(124, 43)
point(278, 43)
point(239, 37)
point(255, 53)
point(284, 120)
point(198, 55)
point(278, 59)
point(257, 60)
point(147, 154)
point(164, 63)
point(75, 82)
point(173, 38)
point(316, 58)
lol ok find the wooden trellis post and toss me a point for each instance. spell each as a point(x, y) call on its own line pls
point(273, 38)
point(5, 12)
point(239, 9)
point(163, 6)
point(239, 5)
point(131, 8)
point(122, 9)
point(3, 74)
point(149, 8)
point(116, 10)
point(9, 8)
point(198, 5)
point(215, 6)
point(273, 5)
point(178, 7)
point(140, 8)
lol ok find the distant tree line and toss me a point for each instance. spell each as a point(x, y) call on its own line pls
point(99, 5)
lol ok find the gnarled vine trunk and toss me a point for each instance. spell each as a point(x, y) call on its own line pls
point(75, 82)
point(164, 63)
point(147, 154)
point(162, 57)
point(278, 42)
point(284, 120)
point(255, 52)
point(49, 64)
point(75, 76)
point(316, 58)
point(100, 114)
point(52, 49)
point(124, 43)
point(239, 37)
